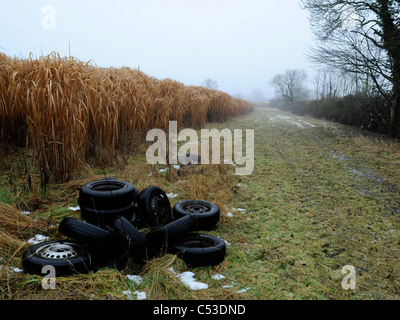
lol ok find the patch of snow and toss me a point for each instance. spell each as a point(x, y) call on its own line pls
point(229, 285)
point(140, 295)
point(163, 170)
point(356, 172)
point(128, 293)
point(239, 184)
point(340, 156)
point(218, 276)
point(37, 239)
point(228, 161)
point(239, 209)
point(227, 243)
point(136, 279)
point(172, 195)
point(26, 212)
point(74, 208)
point(307, 123)
point(182, 181)
point(280, 117)
point(18, 270)
point(243, 290)
point(229, 214)
point(177, 167)
point(151, 173)
point(188, 280)
point(297, 122)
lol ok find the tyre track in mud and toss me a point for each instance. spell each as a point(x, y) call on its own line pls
point(358, 171)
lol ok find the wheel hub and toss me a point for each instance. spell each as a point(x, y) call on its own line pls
point(58, 251)
point(197, 208)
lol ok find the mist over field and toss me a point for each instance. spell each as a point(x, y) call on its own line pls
point(300, 101)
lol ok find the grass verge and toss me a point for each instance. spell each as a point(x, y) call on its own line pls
point(322, 196)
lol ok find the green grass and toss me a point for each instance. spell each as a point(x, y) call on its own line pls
point(320, 198)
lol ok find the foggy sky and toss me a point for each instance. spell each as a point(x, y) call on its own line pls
point(241, 44)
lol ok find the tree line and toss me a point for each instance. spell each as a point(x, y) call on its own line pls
point(357, 55)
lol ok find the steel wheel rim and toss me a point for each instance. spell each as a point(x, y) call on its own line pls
point(57, 251)
point(196, 207)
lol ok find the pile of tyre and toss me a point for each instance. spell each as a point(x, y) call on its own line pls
point(118, 223)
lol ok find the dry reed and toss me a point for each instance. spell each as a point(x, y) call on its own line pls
point(67, 110)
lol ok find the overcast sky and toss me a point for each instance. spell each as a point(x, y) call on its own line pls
point(241, 44)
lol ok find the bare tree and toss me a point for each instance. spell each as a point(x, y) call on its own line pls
point(331, 83)
point(362, 38)
point(210, 84)
point(291, 85)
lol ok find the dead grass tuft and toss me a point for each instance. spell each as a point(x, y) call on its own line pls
point(14, 222)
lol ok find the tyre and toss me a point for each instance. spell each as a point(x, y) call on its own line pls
point(199, 250)
point(154, 207)
point(137, 246)
point(107, 194)
point(190, 159)
point(136, 196)
point(87, 233)
point(67, 257)
point(102, 217)
point(207, 213)
point(137, 220)
point(162, 236)
point(117, 260)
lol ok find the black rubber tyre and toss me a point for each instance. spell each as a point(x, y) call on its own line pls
point(118, 260)
point(137, 219)
point(154, 207)
point(137, 246)
point(207, 213)
point(136, 196)
point(103, 218)
point(67, 257)
point(107, 194)
point(162, 236)
point(87, 233)
point(190, 159)
point(199, 250)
